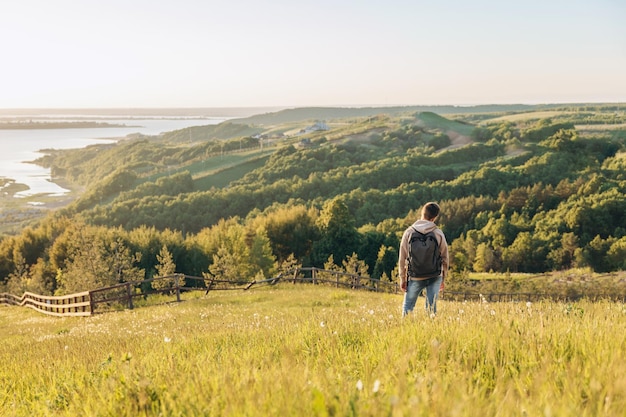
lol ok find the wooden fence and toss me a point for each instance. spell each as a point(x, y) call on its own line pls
point(122, 296)
point(67, 305)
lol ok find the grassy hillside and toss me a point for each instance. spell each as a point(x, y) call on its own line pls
point(221, 175)
point(316, 351)
point(332, 113)
point(222, 131)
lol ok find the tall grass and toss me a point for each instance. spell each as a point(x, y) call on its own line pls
point(316, 351)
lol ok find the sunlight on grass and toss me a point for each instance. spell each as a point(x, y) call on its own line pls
point(304, 350)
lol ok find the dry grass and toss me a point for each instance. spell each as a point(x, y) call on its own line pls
point(316, 351)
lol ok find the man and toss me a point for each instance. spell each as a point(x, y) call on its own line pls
point(418, 276)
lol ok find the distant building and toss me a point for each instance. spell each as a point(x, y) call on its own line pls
point(317, 127)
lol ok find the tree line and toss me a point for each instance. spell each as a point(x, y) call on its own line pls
point(530, 197)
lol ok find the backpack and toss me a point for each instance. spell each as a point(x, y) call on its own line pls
point(424, 255)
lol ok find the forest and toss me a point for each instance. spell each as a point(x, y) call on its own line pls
point(522, 190)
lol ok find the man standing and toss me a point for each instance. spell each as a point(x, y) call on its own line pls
point(423, 262)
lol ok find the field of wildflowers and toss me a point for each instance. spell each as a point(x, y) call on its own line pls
point(316, 351)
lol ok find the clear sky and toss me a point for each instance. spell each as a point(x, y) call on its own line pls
point(239, 53)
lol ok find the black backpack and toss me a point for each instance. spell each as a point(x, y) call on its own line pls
point(424, 255)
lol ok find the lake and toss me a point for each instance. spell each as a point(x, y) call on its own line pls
point(19, 146)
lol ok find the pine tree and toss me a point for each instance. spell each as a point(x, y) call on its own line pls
point(164, 268)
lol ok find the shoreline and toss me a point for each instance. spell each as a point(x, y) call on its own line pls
point(30, 125)
point(172, 112)
point(18, 212)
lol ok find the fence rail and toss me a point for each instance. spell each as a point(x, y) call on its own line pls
point(67, 305)
point(122, 295)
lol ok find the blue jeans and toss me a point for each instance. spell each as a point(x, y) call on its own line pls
point(413, 290)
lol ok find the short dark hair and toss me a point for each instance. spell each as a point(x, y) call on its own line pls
point(430, 211)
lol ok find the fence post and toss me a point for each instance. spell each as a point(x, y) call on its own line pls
point(92, 305)
point(177, 283)
point(130, 296)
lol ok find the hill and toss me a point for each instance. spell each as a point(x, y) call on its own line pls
point(330, 113)
point(519, 195)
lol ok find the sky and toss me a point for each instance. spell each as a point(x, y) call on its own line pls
point(296, 53)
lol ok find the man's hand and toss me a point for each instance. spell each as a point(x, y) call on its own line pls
point(403, 286)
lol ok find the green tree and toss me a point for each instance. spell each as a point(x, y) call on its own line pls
point(616, 255)
point(564, 256)
point(515, 255)
point(165, 267)
point(357, 268)
point(330, 265)
point(288, 267)
point(595, 253)
point(35, 278)
point(166, 264)
point(96, 259)
point(261, 256)
point(227, 266)
point(526, 254)
point(386, 262)
point(17, 280)
point(440, 141)
point(486, 259)
point(339, 235)
point(371, 240)
point(291, 230)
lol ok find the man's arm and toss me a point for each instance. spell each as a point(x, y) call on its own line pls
point(445, 257)
point(402, 257)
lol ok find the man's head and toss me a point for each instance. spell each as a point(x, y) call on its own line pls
point(430, 211)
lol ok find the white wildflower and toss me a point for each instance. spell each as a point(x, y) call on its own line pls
point(359, 385)
point(376, 386)
point(322, 324)
point(167, 339)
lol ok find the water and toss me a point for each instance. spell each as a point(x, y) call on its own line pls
point(19, 147)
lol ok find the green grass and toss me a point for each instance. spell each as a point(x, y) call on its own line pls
point(316, 351)
point(531, 115)
point(435, 121)
point(220, 170)
point(222, 177)
point(228, 160)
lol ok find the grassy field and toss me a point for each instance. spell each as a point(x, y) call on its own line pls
point(532, 115)
point(299, 350)
point(219, 170)
point(223, 176)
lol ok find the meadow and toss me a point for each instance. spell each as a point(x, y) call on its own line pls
point(316, 351)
